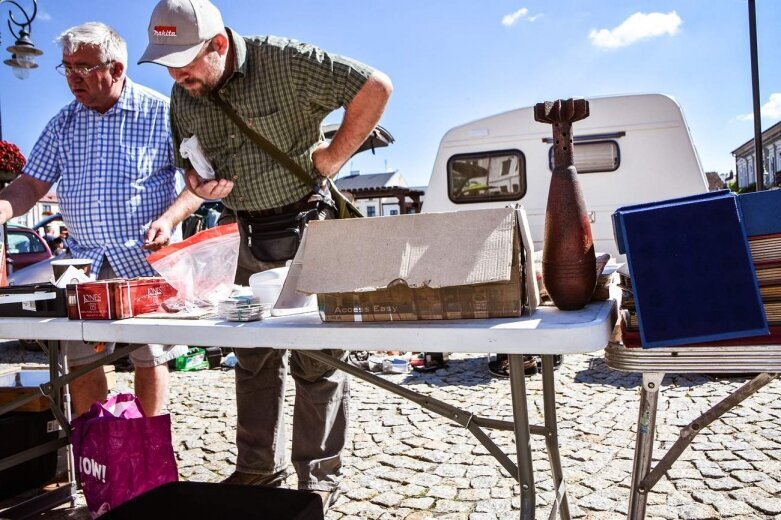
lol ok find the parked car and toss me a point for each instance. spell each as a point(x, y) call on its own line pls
point(25, 247)
point(40, 226)
point(39, 272)
point(27, 250)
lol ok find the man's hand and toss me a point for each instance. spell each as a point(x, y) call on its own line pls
point(207, 189)
point(323, 161)
point(159, 235)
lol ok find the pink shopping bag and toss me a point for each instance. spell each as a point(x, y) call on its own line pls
point(120, 453)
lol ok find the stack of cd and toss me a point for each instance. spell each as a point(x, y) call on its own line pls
point(240, 308)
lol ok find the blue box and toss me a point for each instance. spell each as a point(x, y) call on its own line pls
point(761, 212)
point(692, 275)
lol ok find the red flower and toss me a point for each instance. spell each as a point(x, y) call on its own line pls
point(11, 158)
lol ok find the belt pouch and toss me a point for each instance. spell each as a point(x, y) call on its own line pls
point(276, 238)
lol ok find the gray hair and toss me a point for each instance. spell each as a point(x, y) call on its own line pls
point(112, 46)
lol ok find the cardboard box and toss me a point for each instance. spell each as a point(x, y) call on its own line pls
point(22, 382)
point(17, 383)
point(117, 298)
point(111, 377)
point(466, 264)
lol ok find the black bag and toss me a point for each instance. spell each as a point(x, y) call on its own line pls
point(276, 238)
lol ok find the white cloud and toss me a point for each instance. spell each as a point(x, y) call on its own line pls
point(639, 26)
point(510, 19)
point(770, 110)
point(44, 16)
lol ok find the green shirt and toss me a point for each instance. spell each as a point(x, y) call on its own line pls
point(283, 89)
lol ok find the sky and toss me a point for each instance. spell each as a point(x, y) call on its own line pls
point(454, 61)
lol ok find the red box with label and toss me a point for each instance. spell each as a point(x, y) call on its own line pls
point(117, 298)
point(140, 295)
point(91, 301)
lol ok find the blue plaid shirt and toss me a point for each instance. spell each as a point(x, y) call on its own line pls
point(116, 175)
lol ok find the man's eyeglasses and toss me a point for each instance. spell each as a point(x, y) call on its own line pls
point(80, 71)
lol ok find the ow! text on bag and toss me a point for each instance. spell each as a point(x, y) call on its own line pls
point(120, 453)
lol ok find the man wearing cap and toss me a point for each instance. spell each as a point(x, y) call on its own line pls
point(282, 89)
point(109, 153)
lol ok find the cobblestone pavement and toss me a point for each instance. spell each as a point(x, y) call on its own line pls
point(403, 462)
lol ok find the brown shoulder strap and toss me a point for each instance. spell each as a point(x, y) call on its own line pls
point(283, 159)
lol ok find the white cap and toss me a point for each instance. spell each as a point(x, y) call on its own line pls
point(178, 29)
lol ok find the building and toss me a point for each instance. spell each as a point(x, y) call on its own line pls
point(47, 205)
point(381, 194)
point(745, 160)
point(716, 181)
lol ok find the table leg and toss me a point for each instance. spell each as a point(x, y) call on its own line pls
point(552, 438)
point(524, 472)
point(644, 443)
point(57, 355)
point(690, 431)
point(522, 435)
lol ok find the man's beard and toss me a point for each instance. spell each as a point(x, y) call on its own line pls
point(214, 69)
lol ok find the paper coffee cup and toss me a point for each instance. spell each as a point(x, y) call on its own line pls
point(60, 266)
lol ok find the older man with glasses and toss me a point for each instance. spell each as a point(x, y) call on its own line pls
point(111, 154)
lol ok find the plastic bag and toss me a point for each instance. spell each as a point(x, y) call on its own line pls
point(201, 268)
point(120, 453)
point(191, 149)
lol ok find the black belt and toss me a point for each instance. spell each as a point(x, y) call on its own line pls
point(300, 205)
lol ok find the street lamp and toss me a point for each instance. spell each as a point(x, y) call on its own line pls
point(23, 52)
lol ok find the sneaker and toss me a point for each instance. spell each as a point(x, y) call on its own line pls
point(252, 479)
point(432, 361)
point(418, 360)
point(558, 359)
point(359, 358)
point(500, 367)
point(329, 498)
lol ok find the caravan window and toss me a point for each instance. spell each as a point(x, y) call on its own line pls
point(486, 176)
point(593, 157)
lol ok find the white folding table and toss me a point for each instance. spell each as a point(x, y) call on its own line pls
point(653, 364)
point(547, 332)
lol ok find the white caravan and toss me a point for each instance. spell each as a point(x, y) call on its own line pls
point(631, 149)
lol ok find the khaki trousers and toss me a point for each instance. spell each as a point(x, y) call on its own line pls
point(320, 412)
